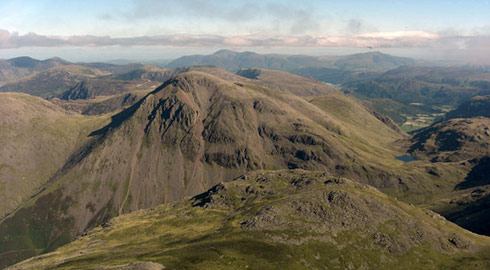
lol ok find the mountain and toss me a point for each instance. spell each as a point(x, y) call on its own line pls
point(52, 81)
point(477, 106)
point(372, 61)
point(20, 67)
point(192, 132)
point(37, 137)
point(204, 126)
point(463, 144)
point(422, 84)
point(276, 220)
point(75, 82)
point(453, 140)
point(234, 61)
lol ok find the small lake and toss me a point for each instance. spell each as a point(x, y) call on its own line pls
point(406, 158)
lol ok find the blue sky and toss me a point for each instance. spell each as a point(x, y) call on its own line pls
point(260, 25)
point(132, 17)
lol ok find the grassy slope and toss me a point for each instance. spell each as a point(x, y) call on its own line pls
point(247, 127)
point(298, 85)
point(276, 220)
point(37, 138)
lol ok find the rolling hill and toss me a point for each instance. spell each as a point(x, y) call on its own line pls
point(20, 67)
point(74, 82)
point(298, 85)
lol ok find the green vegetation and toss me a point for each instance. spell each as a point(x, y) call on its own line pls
point(276, 220)
point(37, 138)
point(205, 126)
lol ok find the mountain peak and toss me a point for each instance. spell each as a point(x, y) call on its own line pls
point(225, 52)
point(24, 62)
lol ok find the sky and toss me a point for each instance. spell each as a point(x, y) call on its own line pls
point(164, 29)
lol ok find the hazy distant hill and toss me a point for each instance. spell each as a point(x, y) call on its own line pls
point(17, 68)
point(372, 61)
point(233, 61)
point(75, 82)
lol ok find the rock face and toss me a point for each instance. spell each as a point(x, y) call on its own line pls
point(189, 134)
point(79, 91)
point(286, 219)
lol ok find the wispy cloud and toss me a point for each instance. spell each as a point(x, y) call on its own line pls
point(401, 39)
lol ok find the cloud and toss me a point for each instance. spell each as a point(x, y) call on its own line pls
point(399, 39)
point(354, 26)
point(224, 10)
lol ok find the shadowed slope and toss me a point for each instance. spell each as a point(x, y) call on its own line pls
point(464, 144)
point(477, 106)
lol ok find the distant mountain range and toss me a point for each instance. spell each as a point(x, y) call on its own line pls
point(234, 61)
point(21, 67)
